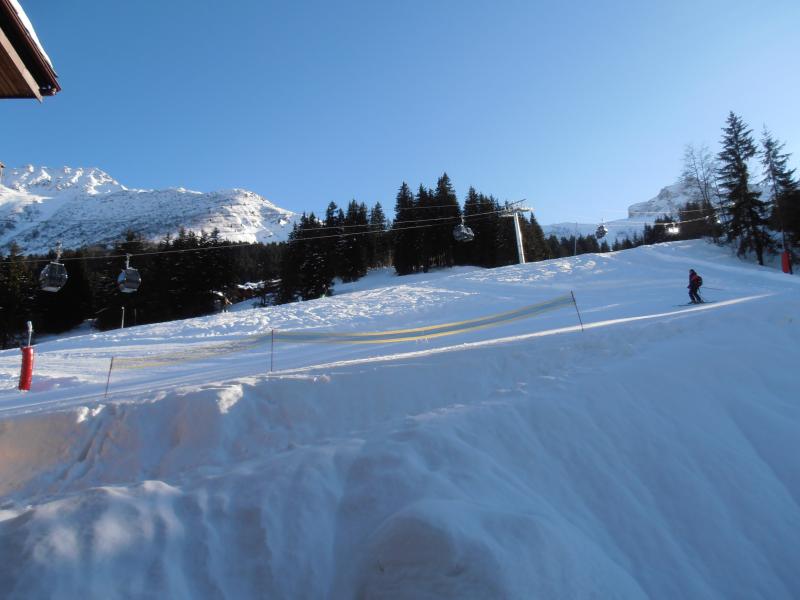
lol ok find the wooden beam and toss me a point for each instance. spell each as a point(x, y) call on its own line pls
point(16, 61)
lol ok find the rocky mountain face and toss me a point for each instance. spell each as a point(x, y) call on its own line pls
point(40, 206)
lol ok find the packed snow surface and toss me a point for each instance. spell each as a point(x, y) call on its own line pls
point(656, 454)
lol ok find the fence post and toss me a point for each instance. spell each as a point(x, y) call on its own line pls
point(576, 310)
point(272, 351)
point(111, 366)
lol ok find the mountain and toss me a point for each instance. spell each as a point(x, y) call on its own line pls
point(40, 206)
point(668, 202)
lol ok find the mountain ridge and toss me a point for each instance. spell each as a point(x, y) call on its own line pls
point(40, 206)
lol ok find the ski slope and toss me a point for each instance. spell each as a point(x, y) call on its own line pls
point(652, 455)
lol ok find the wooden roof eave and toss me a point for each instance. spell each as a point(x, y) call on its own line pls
point(11, 56)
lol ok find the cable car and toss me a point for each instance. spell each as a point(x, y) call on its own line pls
point(129, 279)
point(462, 233)
point(54, 275)
point(601, 231)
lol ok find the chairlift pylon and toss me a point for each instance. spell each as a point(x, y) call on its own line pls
point(54, 275)
point(129, 279)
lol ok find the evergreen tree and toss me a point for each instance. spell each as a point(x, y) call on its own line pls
point(425, 211)
point(535, 243)
point(333, 244)
point(291, 281)
point(553, 247)
point(748, 214)
point(379, 249)
point(404, 236)
point(17, 289)
point(442, 247)
point(780, 184)
point(315, 269)
point(353, 253)
point(481, 216)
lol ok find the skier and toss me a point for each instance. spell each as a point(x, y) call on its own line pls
point(695, 281)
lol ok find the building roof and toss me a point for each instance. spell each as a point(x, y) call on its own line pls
point(25, 68)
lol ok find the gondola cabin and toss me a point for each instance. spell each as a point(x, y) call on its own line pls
point(129, 280)
point(53, 277)
point(462, 233)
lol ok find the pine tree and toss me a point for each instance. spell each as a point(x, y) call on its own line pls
point(291, 280)
point(353, 254)
point(317, 280)
point(17, 289)
point(553, 247)
point(442, 250)
point(333, 242)
point(478, 251)
point(535, 243)
point(780, 184)
point(379, 248)
point(748, 214)
point(405, 237)
point(426, 211)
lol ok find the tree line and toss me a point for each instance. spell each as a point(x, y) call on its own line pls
point(182, 277)
point(345, 244)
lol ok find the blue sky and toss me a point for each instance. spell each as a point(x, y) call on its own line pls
point(581, 107)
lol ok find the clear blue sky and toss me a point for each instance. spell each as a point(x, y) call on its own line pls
point(581, 107)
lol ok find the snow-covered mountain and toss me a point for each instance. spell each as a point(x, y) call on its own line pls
point(668, 202)
point(40, 206)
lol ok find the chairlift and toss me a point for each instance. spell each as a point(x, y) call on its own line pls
point(54, 275)
point(462, 233)
point(129, 279)
point(601, 231)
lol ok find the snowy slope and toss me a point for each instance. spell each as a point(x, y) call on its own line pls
point(654, 455)
point(40, 206)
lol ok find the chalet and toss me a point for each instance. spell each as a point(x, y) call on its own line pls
point(25, 68)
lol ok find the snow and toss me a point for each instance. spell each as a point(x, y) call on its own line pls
point(654, 454)
point(26, 22)
point(40, 206)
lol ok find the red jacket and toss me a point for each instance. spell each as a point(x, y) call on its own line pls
point(694, 280)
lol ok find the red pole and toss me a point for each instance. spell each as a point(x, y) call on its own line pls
point(786, 262)
point(26, 374)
